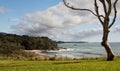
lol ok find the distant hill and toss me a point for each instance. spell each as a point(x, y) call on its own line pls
point(71, 42)
point(26, 42)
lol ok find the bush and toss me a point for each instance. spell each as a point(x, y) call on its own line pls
point(9, 49)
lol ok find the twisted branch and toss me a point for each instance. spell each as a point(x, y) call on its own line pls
point(110, 7)
point(71, 7)
point(97, 14)
point(97, 11)
point(115, 13)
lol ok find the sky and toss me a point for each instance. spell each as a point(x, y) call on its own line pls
point(52, 19)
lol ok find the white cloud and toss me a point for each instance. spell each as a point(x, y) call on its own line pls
point(117, 28)
point(2, 10)
point(58, 22)
point(118, 7)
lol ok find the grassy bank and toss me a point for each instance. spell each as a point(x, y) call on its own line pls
point(61, 65)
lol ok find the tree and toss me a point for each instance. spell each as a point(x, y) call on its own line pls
point(108, 7)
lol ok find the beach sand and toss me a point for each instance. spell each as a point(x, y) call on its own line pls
point(44, 56)
point(39, 56)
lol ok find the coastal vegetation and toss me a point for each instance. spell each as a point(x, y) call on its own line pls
point(14, 45)
point(13, 57)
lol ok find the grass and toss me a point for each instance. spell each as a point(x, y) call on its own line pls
point(60, 65)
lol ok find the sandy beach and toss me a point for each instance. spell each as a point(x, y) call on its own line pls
point(39, 56)
point(34, 51)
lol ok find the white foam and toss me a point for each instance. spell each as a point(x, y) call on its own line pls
point(68, 49)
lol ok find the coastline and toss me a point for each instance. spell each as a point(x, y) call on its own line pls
point(34, 51)
point(39, 54)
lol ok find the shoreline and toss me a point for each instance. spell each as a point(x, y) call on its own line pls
point(37, 56)
point(40, 55)
point(34, 51)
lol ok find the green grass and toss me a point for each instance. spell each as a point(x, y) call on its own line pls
point(61, 65)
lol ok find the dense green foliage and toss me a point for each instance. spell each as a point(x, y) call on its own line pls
point(9, 43)
point(66, 65)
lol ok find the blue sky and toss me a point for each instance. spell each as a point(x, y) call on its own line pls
point(14, 9)
point(51, 18)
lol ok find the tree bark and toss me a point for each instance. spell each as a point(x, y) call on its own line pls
point(105, 44)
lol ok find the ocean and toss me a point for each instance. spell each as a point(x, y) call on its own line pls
point(82, 50)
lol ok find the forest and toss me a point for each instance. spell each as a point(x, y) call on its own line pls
point(10, 43)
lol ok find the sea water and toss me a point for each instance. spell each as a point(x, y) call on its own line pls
point(81, 50)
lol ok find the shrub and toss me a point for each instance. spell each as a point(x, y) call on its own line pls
point(9, 49)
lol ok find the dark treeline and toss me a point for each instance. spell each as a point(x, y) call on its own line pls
point(11, 42)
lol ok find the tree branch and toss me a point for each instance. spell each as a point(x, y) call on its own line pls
point(110, 7)
point(71, 7)
point(97, 11)
point(115, 13)
point(104, 6)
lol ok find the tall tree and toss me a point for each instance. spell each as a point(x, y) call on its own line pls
point(108, 7)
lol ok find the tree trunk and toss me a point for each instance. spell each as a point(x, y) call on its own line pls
point(105, 44)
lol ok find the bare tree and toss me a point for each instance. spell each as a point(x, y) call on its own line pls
point(108, 7)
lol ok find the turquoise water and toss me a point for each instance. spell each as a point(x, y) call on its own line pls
point(80, 50)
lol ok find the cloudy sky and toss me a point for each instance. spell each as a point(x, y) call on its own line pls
point(52, 19)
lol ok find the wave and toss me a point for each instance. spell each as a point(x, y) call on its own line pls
point(81, 50)
point(67, 49)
